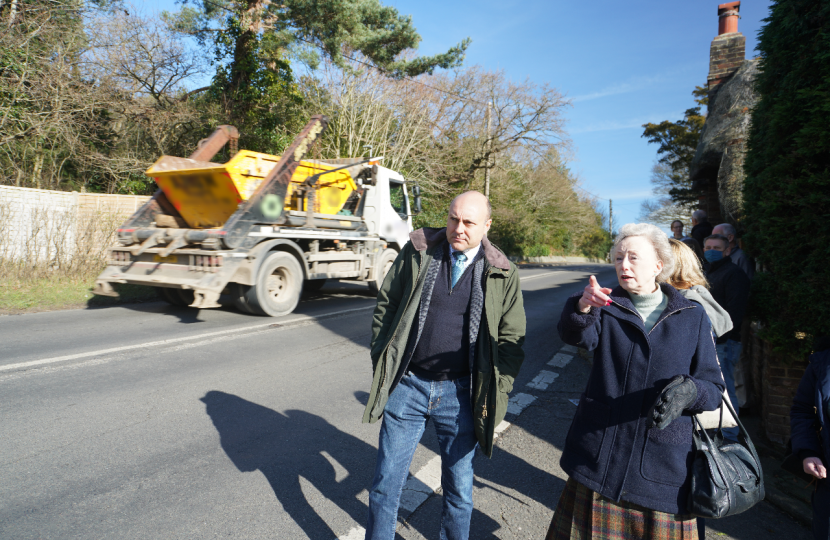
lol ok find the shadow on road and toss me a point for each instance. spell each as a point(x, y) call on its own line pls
point(287, 447)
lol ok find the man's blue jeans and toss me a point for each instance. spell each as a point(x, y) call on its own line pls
point(412, 404)
point(729, 354)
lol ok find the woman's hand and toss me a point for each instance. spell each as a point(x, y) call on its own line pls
point(814, 466)
point(672, 401)
point(594, 296)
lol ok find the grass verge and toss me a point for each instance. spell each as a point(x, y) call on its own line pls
point(49, 294)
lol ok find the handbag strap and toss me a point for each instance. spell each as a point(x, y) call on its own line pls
point(712, 450)
point(748, 442)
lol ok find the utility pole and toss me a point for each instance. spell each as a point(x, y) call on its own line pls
point(611, 217)
point(487, 153)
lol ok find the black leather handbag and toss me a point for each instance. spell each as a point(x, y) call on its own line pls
point(726, 476)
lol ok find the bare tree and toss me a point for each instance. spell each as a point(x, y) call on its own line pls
point(661, 210)
point(91, 98)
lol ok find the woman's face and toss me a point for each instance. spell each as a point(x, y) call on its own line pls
point(637, 265)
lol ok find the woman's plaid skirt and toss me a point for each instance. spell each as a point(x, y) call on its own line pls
point(583, 514)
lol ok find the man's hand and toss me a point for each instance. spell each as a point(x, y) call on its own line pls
point(672, 401)
point(594, 296)
point(814, 467)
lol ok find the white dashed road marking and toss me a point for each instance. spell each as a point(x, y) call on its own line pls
point(543, 380)
point(501, 428)
point(560, 360)
point(517, 403)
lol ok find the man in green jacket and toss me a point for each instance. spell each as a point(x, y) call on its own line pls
point(447, 338)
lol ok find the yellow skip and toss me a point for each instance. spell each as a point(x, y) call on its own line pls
point(207, 194)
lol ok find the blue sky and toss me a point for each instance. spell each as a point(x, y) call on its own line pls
point(621, 63)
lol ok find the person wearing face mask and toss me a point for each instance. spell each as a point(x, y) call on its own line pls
point(629, 447)
point(729, 286)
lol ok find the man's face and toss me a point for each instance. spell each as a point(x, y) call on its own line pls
point(714, 243)
point(677, 229)
point(467, 221)
point(719, 230)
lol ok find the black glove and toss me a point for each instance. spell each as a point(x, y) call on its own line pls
point(672, 401)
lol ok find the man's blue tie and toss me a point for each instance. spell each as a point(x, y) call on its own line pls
point(458, 267)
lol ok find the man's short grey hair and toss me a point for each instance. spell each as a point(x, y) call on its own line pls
point(658, 240)
point(728, 229)
point(720, 237)
point(699, 215)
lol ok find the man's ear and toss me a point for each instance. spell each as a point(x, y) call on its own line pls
point(487, 225)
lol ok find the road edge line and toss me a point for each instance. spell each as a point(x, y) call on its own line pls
point(92, 354)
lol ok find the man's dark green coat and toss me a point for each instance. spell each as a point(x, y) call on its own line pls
point(498, 355)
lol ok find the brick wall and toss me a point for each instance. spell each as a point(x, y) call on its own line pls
point(726, 55)
point(774, 382)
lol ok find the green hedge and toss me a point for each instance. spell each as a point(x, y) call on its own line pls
point(787, 186)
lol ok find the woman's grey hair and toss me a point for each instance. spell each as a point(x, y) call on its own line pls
point(658, 240)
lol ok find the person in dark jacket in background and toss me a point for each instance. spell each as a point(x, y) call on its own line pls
point(729, 286)
point(701, 228)
point(629, 449)
point(688, 278)
point(811, 411)
point(738, 256)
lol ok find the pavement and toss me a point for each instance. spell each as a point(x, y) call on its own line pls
point(150, 421)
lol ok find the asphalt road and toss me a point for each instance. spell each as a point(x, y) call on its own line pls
point(150, 421)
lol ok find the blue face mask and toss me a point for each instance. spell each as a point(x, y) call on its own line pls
point(713, 255)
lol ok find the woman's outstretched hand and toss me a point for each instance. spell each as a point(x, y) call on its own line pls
point(814, 466)
point(594, 296)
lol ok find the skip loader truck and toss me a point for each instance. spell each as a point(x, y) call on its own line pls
point(258, 229)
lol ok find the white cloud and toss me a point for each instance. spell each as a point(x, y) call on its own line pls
point(614, 125)
point(633, 84)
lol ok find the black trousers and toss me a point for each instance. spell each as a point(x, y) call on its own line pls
point(821, 510)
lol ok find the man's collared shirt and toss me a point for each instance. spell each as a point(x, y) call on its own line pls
point(470, 253)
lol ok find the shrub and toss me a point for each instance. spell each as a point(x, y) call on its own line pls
point(787, 186)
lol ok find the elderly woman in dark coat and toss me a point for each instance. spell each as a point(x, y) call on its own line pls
point(629, 449)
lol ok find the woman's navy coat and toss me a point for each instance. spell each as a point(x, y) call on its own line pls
point(610, 448)
point(811, 409)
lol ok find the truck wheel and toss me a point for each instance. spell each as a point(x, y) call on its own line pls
point(279, 284)
point(383, 265)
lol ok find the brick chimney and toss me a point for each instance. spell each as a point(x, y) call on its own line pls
point(728, 49)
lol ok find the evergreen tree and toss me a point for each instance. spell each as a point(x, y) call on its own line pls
point(678, 143)
point(787, 186)
point(252, 42)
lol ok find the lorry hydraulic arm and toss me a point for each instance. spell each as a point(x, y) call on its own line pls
point(267, 203)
